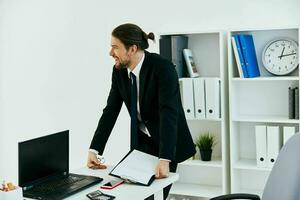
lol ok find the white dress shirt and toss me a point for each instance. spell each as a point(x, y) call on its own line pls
point(136, 72)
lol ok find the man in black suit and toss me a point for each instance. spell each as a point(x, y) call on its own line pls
point(148, 85)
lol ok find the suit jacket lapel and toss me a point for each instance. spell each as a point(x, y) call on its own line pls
point(143, 76)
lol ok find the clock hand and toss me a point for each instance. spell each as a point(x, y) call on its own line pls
point(281, 53)
point(288, 54)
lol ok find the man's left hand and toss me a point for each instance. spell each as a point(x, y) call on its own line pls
point(162, 169)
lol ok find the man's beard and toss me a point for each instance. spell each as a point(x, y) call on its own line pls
point(123, 65)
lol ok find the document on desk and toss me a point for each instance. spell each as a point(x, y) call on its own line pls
point(136, 167)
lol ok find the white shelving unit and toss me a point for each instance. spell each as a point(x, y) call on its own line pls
point(256, 101)
point(199, 178)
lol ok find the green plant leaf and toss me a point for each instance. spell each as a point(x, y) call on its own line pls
point(205, 141)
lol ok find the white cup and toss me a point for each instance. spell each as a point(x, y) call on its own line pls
point(16, 194)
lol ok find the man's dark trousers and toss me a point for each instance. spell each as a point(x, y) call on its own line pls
point(147, 145)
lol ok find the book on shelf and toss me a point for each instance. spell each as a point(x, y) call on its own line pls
point(165, 47)
point(171, 47)
point(245, 55)
point(296, 103)
point(293, 103)
point(190, 64)
point(239, 56)
point(249, 54)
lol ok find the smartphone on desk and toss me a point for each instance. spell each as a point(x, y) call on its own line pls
point(111, 184)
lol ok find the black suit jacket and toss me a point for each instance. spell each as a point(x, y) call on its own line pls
point(160, 108)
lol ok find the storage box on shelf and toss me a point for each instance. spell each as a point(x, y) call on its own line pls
point(256, 101)
point(199, 178)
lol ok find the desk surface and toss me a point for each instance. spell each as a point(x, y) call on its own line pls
point(124, 191)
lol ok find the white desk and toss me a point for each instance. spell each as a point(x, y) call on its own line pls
point(124, 191)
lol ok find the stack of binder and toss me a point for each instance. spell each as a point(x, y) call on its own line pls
point(201, 97)
point(244, 51)
point(269, 142)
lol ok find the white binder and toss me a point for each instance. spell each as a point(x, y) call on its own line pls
point(274, 144)
point(288, 131)
point(212, 98)
point(187, 97)
point(199, 98)
point(261, 146)
point(237, 57)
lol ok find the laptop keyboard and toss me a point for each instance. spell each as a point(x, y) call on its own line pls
point(56, 185)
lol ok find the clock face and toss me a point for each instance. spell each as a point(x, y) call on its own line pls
point(280, 57)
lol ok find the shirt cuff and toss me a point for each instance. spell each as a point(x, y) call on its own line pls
point(165, 159)
point(94, 151)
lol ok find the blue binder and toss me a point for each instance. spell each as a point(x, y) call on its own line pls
point(241, 56)
point(249, 53)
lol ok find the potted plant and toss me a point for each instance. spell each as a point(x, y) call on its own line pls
point(205, 142)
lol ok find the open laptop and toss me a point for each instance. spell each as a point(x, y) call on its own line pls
point(44, 168)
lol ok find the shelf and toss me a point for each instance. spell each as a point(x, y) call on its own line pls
point(211, 176)
point(203, 77)
point(265, 118)
point(215, 162)
point(256, 101)
point(249, 164)
point(195, 190)
point(271, 78)
point(215, 120)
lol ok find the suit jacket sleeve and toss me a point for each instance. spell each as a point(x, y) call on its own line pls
point(109, 116)
point(168, 94)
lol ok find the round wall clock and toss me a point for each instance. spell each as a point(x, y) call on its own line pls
point(280, 56)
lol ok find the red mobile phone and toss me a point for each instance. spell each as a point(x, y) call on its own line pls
point(111, 184)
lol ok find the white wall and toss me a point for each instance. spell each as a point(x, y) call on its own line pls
point(55, 69)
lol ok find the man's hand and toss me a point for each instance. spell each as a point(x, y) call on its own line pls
point(93, 162)
point(162, 169)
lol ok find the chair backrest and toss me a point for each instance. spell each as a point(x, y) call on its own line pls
point(284, 180)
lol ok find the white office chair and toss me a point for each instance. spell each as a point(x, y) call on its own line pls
point(284, 180)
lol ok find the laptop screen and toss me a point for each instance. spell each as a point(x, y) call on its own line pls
point(42, 157)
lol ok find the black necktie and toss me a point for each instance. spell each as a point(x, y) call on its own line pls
point(133, 112)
